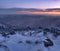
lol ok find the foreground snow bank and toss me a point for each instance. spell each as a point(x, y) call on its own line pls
point(29, 41)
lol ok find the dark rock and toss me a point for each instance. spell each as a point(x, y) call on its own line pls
point(37, 42)
point(48, 43)
point(29, 42)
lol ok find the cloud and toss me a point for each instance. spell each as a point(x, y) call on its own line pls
point(52, 11)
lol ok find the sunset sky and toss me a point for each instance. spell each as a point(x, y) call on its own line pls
point(38, 4)
point(30, 4)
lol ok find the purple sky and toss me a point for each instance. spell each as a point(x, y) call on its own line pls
point(30, 4)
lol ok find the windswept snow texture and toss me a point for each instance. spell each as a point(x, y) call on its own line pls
point(31, 40)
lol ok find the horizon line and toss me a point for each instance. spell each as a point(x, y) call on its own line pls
point(31, 8)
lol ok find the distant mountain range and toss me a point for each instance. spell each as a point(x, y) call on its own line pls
point(20, 10)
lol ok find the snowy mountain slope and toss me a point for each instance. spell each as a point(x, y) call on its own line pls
point(34, 21)
point(31, 40)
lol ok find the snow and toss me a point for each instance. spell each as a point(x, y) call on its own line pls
point(18, 42)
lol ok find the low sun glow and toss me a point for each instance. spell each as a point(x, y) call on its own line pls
point(41, 13)
point(52, 13)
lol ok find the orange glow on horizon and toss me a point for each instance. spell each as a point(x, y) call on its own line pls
point(41, 13)
point(47, 13)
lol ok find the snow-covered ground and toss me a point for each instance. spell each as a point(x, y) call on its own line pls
point(29, 41)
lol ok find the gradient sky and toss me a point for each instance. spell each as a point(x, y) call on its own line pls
point(30, 4)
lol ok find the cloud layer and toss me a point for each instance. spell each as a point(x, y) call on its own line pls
point(52, 11)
